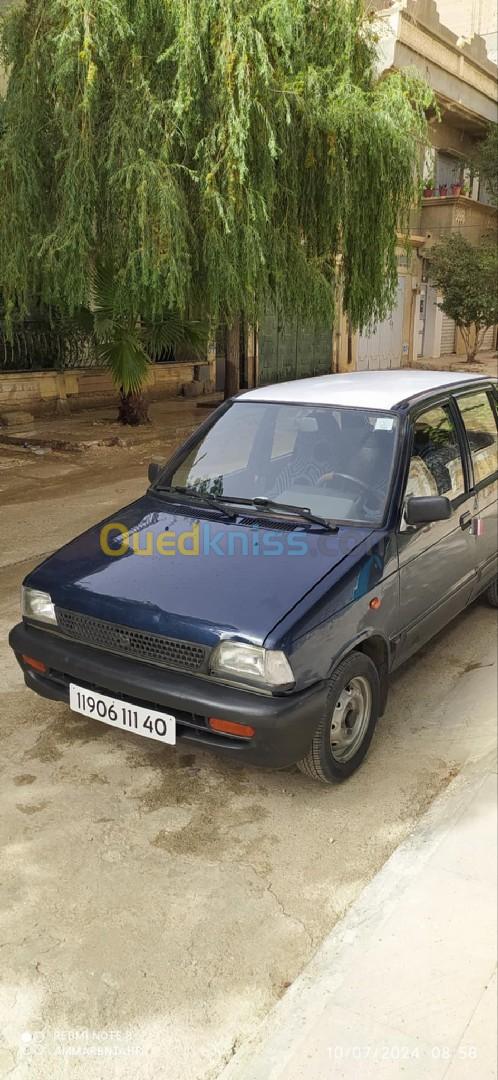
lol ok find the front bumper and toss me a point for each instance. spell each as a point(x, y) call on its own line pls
point(284, 725)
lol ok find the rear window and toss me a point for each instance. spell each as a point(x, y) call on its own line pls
point(480, 424)
point(436, 466)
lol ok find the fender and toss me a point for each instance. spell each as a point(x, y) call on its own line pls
point(375, 645)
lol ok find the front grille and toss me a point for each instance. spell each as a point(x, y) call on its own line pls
point(153, 648)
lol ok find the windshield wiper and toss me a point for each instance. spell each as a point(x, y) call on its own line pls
point(202, 497)
point(261, 502)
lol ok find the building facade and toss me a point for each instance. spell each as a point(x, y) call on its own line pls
point(468, 18)
point(465, 82)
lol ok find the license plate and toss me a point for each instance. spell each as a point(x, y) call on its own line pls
point(120, 714)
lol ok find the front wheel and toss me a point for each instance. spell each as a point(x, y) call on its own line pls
point(344, 734)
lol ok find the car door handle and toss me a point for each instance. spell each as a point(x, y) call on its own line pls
point(466, 520)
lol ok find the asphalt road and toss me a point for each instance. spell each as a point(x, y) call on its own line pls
point(154, 904)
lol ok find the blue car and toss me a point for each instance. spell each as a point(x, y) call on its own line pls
point(306, 540)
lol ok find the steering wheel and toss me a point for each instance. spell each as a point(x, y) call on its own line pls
point(345, 476)
point(370, 494)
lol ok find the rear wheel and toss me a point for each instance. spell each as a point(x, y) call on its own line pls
point(345, 732)
point(492, 594)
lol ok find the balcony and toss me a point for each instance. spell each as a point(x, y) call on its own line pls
point(442, 215)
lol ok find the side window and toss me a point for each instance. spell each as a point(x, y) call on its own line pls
point(480, 425)
point(436, 466)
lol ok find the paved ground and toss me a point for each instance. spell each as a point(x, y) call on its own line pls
point(166, 895)
point(405, 985)
point(98, 427)
point(485, 363)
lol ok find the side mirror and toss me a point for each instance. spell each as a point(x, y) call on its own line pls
point(424, 509)
point(154, 471)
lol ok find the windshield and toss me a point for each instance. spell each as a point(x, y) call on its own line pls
point(335, 461)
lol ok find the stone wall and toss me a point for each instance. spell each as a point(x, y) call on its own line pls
point(44, 392)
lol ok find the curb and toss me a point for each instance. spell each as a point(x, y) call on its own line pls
point(35, 442)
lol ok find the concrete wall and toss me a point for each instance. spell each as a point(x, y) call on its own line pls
point(411, 34)
point(440, 217)
point(450, 135)
point(469, 17)
point(43, 392)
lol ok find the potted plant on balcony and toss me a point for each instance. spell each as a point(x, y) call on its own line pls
point(456, 188)
point(443, 191)
point(429, 188)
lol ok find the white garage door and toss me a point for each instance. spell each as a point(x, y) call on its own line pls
point(447, 335)
point(383, 347)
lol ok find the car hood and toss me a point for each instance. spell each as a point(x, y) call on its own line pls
point(222, 578)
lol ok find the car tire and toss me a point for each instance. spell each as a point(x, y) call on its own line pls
point(492, 594)
point(343, 736)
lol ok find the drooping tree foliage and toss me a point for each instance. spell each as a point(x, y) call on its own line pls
point(467, 276)
point(218, 154)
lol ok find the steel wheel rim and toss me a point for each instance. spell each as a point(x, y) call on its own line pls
point(350, 719)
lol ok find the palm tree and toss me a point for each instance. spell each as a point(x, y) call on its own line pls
point(127, 345)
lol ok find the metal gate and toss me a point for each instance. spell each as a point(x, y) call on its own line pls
point(447, 336)
point(382, 347)
point(292, 351)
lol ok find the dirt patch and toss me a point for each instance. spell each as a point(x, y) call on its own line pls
point(61, 733)
point(23, 779)
point(31, 808)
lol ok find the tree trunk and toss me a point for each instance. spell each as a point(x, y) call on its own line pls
point(232, 360)
point(479, 338)
point(350, 344)
point(133, 409)
point(470, 342)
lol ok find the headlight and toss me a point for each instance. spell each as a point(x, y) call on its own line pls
point(252, 664)
point(37, 605)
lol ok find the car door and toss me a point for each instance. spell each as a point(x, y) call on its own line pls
point(479, 417)
point(436, 561)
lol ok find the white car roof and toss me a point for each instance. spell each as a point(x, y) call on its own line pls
point(363, 389)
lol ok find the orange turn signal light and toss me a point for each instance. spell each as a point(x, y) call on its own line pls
point(375, 603)
point(228, 727)
point(38, 665)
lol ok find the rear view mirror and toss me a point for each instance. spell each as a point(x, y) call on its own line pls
point(154, 471)
point(307, 423)
point(424, 509)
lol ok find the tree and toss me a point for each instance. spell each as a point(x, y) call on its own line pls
point(467, 277)
point(218, 155)
point(484, 162)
